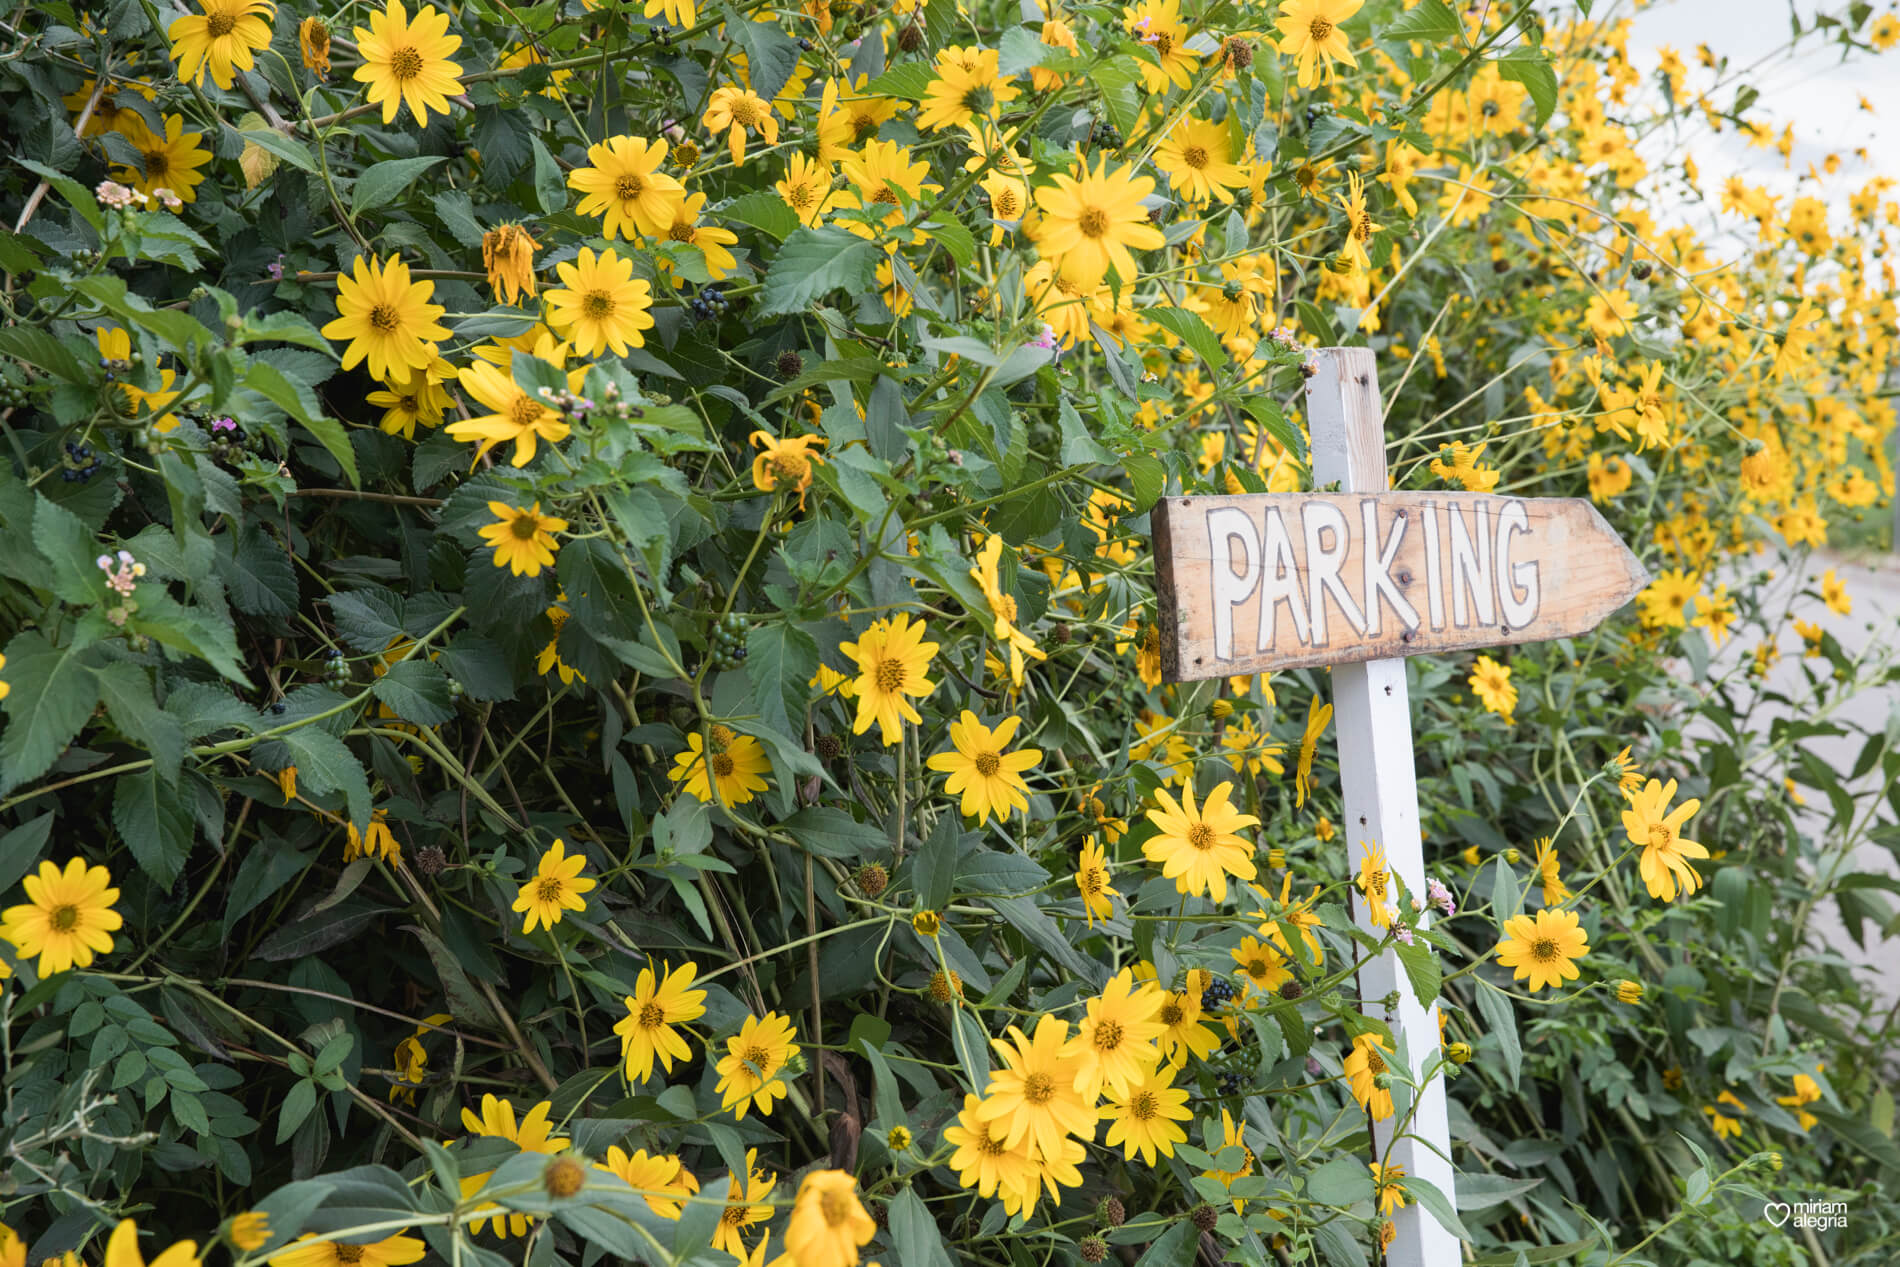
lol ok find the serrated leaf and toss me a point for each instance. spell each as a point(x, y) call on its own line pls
point(1532, 68)
point(70, 548)
point(909, 81)
point(834, 833)
point(367, 619)
point(52, 697)
point(383, 182)
point(815, 262)
point(153, 823)
point(780, 661)
point(326, 764)
point(296, 153)
point(1422, 970)
point(1192, 331)
point(763, 210)
point(1430, 20)
point(127, 693)
point(270, 383)
point(418, 691)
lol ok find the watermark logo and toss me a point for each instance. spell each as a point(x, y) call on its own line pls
point(1816, 1215)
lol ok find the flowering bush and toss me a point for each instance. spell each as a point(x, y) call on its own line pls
point(580, 671)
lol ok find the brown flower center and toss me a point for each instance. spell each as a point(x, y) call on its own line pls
point(745, 112)
point(1194, 156)
point(1320, 30)
point(1039, 1088)
point(383, 318)
point(219, 25)
point(1256, 967)
point(348, 1253)
point(1201, 836)
point(1004, 207)
point(758, 1057)
point(723, 764)
point(890, 676)
point(790, 467)
point(1661, 836)
point(550, 889)
point(987, 763)
point(629, 187)
point(1171, 1014)
point(64, 918)
point(1375, 1063)
point(522, 412)
point(886, 195)
point(1164, 43)
point(1090, 882)
point(1093, 223)
point(1544, 950)
point(524, 527)
point(405, 64)
point(157, 163)
point(652, 1016)
point(1145, 1107)
point(990, 1145)
point(801, 196)
point(680, 232)
point(1108, 1035)
point(598, 304)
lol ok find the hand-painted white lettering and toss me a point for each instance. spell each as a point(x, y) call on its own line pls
point(1434, 572)
point(1225, 527)
point(1321, 520)
point(1471, 569)
point(1279, 582)
point(1513, 519)
point(1378, 569)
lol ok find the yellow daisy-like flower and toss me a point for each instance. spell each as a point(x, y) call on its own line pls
point(882, 174)
point(523, 539)
point(67, 917)
point(391, 1251)
point(1003, 610)
point(893, 662)
point(407, 61)
point(1199, 848)
point(1359, 226)
point(169, 161)
point(387, 318)
point(1375, 885)
point(1033, 1097)
point(1725, 1125)
point(1089, 222)
point(744, 1207)
point(531, 1135)
point(1092, 882)
point(989, 779)
point(1388, 1184)
point(1542, 948)
point(1364, 1065)
point(1114, 1043)
point(1310, 33)
point(375, 842)
point(659, 1002)
point(968, 88)
point(1317, 716)
point(1142, 1118)
point(1234, 1135)
point(1263, 967)
point(508, 255)
point(786, 462)
point(828, 1222)
point(313, 45)
point(1491, 683)
point(554, 889)
point(709, 239)
point(1650, 823)
point(750, 1071)
point(1550, 871)
point(409, 399)
point(806, 189)
point(516, 416)
point(739, 766)
point(220, 40)
point(603, 306)
point(661, 1177)
point(1182, 1034)
point(1198, 158)
point(624, 185)
point(984, 1161)
point(1158, 25)
point(248, 1231)
point(739, 111)
point(122, 1250)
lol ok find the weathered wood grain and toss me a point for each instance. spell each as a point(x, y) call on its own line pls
point(1269, 581)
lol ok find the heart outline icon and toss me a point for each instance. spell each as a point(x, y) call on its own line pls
point(1776, 1212)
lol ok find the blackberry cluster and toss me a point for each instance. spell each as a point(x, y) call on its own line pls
point(1217, 995)
point(709, 303)
point(334, 666)
point(728, 641)
point(80, 464)
point(1230, 1083)
point(12, 395)
point(1105, 135)
point(227, 443)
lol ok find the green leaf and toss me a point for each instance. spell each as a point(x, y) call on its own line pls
point(914, 1232)
point(1342, 1182)
point(1532, 68)
point(296, 1107)
point(154, 824)
point(22, 847)
point(72, 550)
point(780, 661)
point(42, 351)
point(815, 262)
point(387, 180)
point(1177, 1247)
point(1035, 924)
point(550, 190)
point(1481, 1191)
point(1119, 79)
point(294, 152)
point(1430, 20)
point(318, 932)
point(771, 55)
point(1422, 970)
point(763, 210)
point(1191, 330)
point(77, 196)
point(909, 81)
point(463, 998)
point(127, 692)
point(1426, 1193)
point(53, 694)
point(833, 833)
point(418, 691)
point(1500, 1020)
point(326, 764)
point(934, 870)
point(368, 619)
point(1147, 477)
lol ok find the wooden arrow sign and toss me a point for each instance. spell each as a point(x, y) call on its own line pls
point(1276, 581)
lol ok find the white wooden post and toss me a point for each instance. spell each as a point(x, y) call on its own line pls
point(1374, 723)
